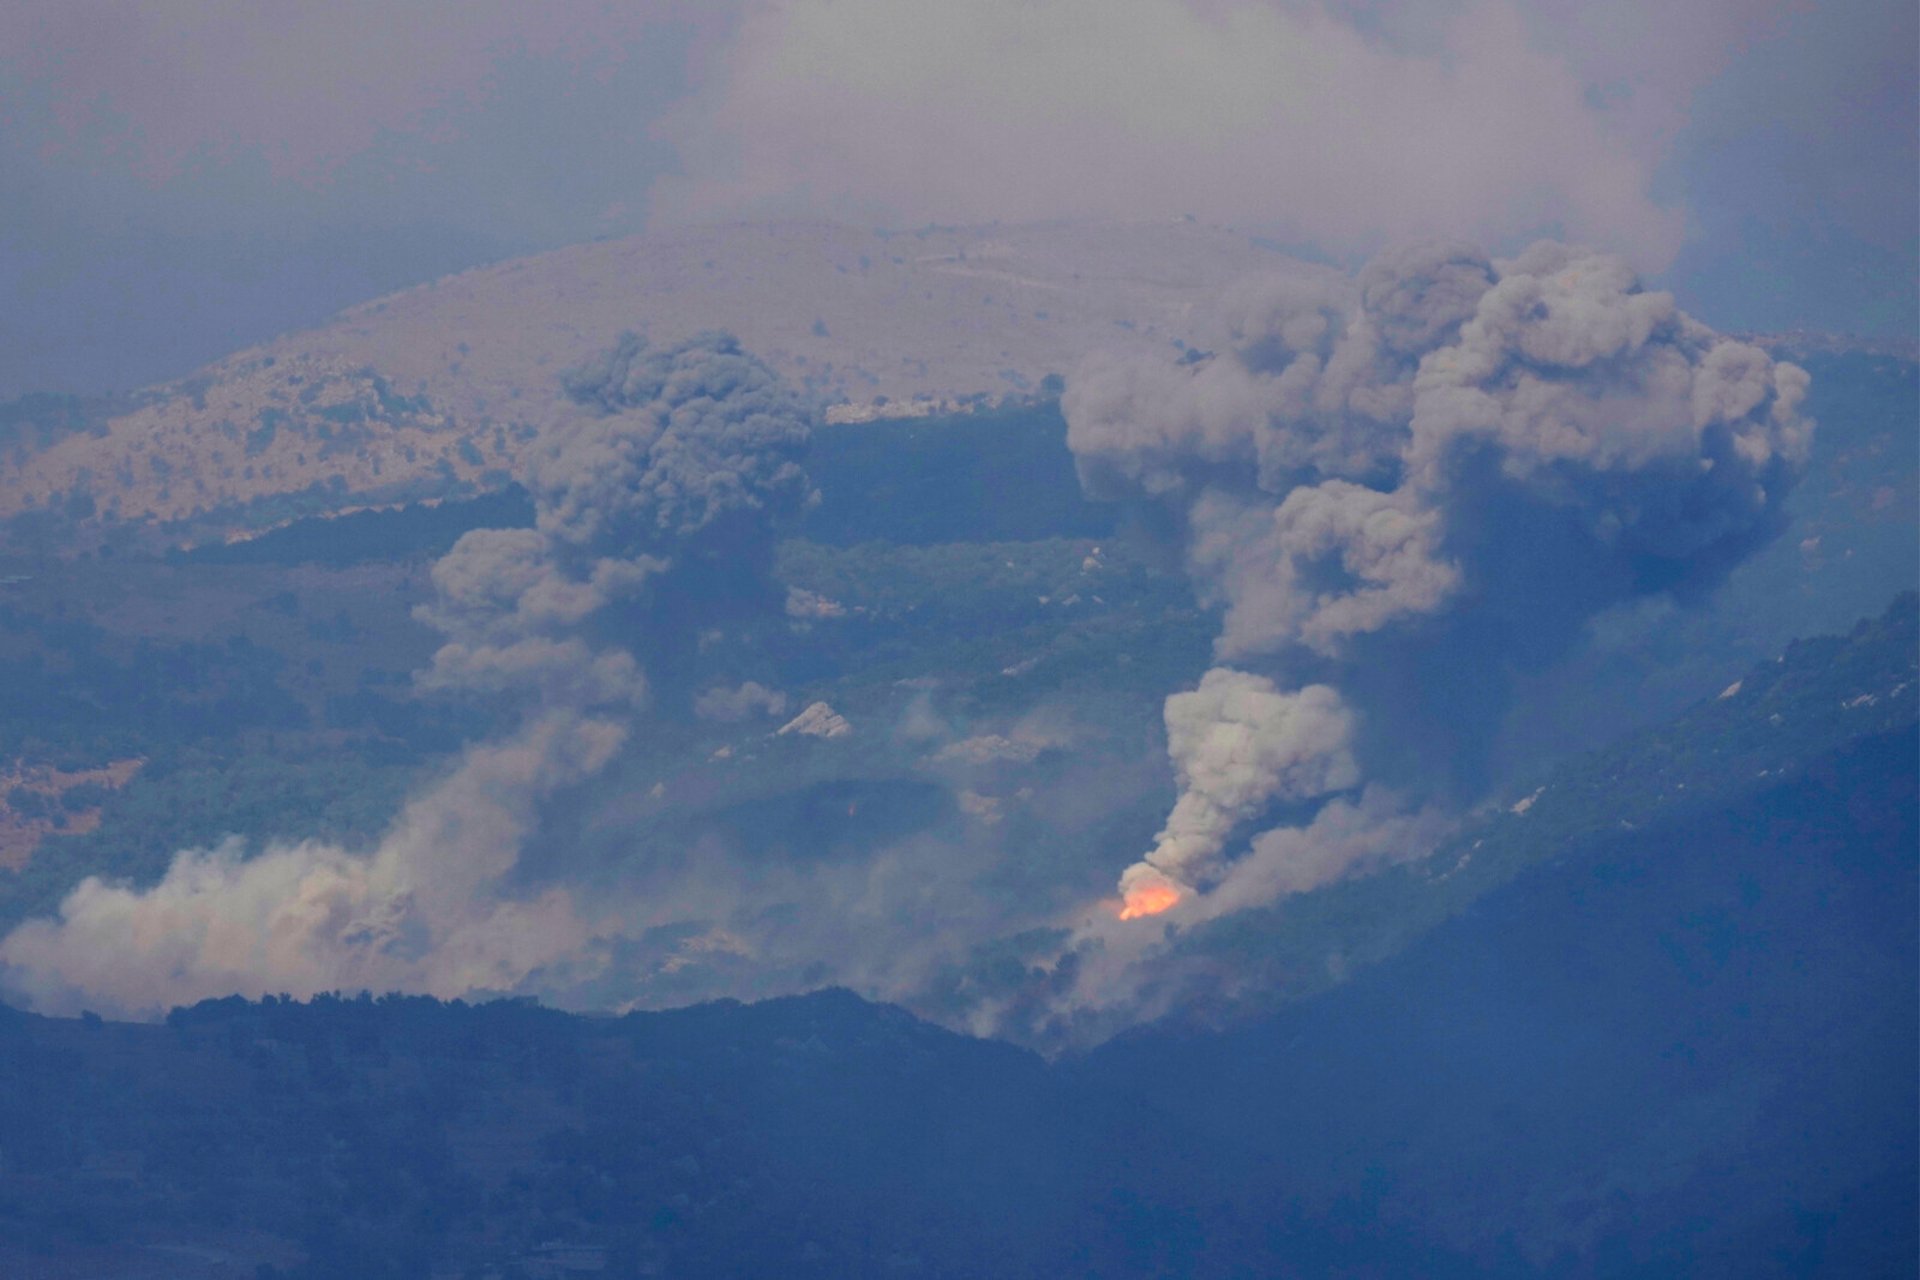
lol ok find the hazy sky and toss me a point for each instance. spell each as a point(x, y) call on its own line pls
point(183, 178)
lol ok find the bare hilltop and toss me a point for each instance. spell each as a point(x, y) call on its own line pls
point(436, 390)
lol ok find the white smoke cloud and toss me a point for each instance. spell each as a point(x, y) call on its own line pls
point(502, 582)
point(1257, 561)
point(1324, 461)
point(1567, 364)
point(1238, 744)
point(422, 911)
point(512, 609)
point(903, 111)
point(1346, 837)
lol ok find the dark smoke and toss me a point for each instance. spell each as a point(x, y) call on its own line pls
point(1407, 489)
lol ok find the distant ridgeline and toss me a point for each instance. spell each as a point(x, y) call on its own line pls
point(1670, 1030)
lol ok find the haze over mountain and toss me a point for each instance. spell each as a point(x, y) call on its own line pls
point(719, 671)
point(1672, 1034)
point(1257, 632)
point(445, 384)
point(192, 178)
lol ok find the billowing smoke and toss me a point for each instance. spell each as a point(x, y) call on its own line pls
point(694, 441)
point(511, 607)
point(1399, 492)
point(656, 499)
point(1349, 835)
point(418, 913)
point(1239, 744)
point(669, 464)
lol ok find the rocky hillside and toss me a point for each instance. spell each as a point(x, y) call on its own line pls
point(1675, 1038)
point(436, 390)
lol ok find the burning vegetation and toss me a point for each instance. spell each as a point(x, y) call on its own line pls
point(1147, 895)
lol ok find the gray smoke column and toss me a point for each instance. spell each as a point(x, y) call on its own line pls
point(672, 462)
point(1406, 485)
point(1239, 744)
point(672, 443)
point(665, 463)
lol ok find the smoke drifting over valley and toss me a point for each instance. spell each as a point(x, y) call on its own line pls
point(840, 638)
point(1399, 493)
point(1239, 744)
point(666, 463)
point(1159, 108)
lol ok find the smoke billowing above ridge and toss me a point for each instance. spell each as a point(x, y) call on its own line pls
point(1238, 744)
point(669, 463)
point(674, 463)
point(1399, 491)
point(689, 444)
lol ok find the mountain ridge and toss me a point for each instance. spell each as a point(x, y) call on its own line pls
point(435, 390)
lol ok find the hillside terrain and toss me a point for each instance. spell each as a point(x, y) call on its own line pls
point(437, 390)
point(1674, 1035)
point(997, 646)
point(1644, 1010)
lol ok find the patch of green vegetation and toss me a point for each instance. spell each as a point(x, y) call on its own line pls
point(264, 703)
point(997, 623)
point(70, 695)
point(346, 413)
point(194, 796)
point(999, 475)
point(974, 577)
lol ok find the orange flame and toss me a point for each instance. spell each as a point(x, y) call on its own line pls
point(1149, 898)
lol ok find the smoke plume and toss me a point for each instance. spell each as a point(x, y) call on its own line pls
point(1238, 744)
point(417, 913)
point(1398, 492)
point(726, 703)
point(665, 464)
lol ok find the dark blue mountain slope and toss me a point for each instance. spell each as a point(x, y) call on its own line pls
point(1672, 1032)
point(1691, 1050)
